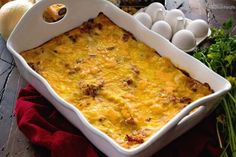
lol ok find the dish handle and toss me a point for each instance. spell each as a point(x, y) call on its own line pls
point(37, 27)
point(197, 110)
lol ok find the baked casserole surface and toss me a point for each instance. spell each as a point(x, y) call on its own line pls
point(122, 86)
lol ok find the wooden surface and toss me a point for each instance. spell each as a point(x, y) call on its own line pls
point(12, 141)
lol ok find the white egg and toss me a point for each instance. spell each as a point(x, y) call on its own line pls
point(184, 39)
point(144, 18)
point(172, 17)
point(198, 27)
point(163, 28)
point(156, 11)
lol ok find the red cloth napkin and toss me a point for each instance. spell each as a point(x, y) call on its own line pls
point(44, 126)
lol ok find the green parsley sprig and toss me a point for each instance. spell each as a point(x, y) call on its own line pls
point(220, 56)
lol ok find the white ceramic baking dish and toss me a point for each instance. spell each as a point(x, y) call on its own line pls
point(33, 31)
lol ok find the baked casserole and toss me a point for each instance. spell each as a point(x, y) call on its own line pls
point(122, 86)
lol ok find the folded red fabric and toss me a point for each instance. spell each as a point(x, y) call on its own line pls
point(44, 126)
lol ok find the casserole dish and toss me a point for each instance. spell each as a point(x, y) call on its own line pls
point(33, 31)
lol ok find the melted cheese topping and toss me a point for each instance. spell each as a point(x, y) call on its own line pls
point(123, 87)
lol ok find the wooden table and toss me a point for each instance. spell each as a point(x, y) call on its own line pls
point(12, 141)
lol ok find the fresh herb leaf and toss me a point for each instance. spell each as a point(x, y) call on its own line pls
point(220, 56)
point(227, 25)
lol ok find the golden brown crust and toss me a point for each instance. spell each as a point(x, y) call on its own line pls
point(122, 86)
